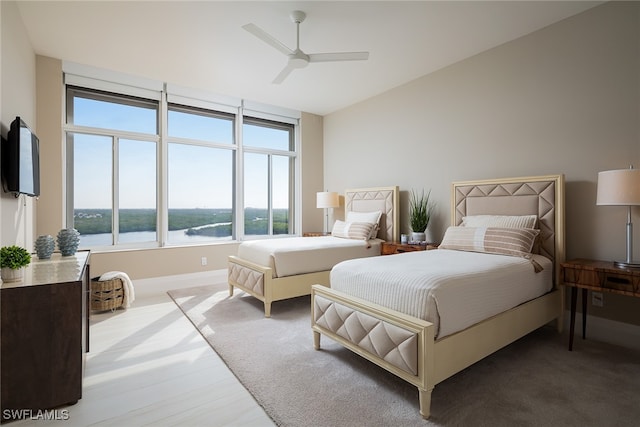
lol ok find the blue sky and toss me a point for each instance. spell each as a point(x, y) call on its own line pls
point(199, 177)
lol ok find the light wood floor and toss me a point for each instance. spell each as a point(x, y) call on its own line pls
point(148, 365)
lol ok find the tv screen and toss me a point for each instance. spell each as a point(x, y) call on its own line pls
point(21, 160)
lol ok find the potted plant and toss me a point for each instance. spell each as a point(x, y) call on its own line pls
point(419, 214)
point(12, 260)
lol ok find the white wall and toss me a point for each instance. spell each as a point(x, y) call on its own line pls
point(18, 98)
point(565, 99)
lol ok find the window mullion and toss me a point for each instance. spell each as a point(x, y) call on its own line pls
point(115, 213)
point(296, 188)
point(270, 192)
point(238, 202)
point(110, 132)
point(162, 179)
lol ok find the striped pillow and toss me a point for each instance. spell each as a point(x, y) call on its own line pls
point(352, 230)
point(503, 221)
point(495, 240)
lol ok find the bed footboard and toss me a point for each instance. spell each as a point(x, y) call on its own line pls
point(394, 341)
point(258, 281)
point(251, 278)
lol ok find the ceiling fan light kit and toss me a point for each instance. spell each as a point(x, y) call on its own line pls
point(297, 58)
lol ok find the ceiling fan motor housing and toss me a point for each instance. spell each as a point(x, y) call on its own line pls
point(298, 59)
point(298, 16)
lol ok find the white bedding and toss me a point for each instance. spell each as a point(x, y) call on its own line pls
point(452, 289)
point(298, 255)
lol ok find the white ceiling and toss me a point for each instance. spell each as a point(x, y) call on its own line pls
point(202, 45)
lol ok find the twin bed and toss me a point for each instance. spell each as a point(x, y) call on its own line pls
point(276, 269)
point(425, 316)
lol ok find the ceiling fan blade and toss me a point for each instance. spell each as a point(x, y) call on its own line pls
point(338, 56)
point(267, 38)
point(283, 74)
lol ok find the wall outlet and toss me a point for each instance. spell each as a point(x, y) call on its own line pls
point(597, 299)
point(203, 260)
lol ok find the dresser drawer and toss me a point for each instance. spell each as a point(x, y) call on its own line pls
point(580, 276)
point(618, 281)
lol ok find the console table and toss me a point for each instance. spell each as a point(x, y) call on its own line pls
point(45, 335)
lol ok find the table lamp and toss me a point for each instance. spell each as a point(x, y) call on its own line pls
point(621, 187)
point(326, 200)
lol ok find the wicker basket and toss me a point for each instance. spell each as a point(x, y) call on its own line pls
point(106, 294)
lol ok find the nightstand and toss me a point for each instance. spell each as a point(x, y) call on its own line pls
point(316, 233)
point(598, 276)
point(389, 248)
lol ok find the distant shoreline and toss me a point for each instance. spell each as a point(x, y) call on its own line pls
point(195, 221)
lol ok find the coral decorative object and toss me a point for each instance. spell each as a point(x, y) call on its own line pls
point(68, 241)
point(44, 246)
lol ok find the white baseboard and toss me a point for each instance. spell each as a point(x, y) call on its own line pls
point(605, 330)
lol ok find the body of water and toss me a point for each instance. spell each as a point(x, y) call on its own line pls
point(175, 237)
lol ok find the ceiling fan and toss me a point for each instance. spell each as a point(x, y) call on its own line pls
point(297, 58)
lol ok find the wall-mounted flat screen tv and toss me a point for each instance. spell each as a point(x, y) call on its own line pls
point(21, 160)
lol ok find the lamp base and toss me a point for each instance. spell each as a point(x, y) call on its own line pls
point(623, 264)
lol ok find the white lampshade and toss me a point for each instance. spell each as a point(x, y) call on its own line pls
point(327, 199)
point(619, 187)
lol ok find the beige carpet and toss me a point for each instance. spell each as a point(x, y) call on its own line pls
point(533, 382)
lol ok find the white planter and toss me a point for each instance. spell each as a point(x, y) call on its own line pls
point(417, 237)
point(11, 275)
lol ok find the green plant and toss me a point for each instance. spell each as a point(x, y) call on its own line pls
point(419, 211)
point(14, 257)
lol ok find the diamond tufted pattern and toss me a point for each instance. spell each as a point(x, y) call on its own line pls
point(251, 279)
point(387, 341)
point(383, 200)
point(541, 194)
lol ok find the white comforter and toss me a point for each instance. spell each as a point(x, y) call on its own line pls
point(299, 255)
point(451, 289)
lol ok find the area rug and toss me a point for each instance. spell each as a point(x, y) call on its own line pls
point(532, 382)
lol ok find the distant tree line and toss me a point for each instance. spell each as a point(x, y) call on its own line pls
point(193, 221)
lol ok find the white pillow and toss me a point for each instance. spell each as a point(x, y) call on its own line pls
point(370, 217)
point(352, 230)
point(502, 221)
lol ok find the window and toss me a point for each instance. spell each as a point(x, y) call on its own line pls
point(105, 111)
point(269, 155)
point(113, 144)
point(137, 213)
point(200, 175)
point(134, 182)
point(92, 189)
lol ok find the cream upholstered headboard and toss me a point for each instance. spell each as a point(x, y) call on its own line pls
point(539, 195)
point(384, 199)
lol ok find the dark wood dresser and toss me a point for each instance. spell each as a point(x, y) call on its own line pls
point(45, 335)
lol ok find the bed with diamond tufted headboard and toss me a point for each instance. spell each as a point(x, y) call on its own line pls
point(278, 269)
point(425, 316)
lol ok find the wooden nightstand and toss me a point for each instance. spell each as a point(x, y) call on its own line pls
point(389, 248)
point(316, 233)
point(599, 276)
